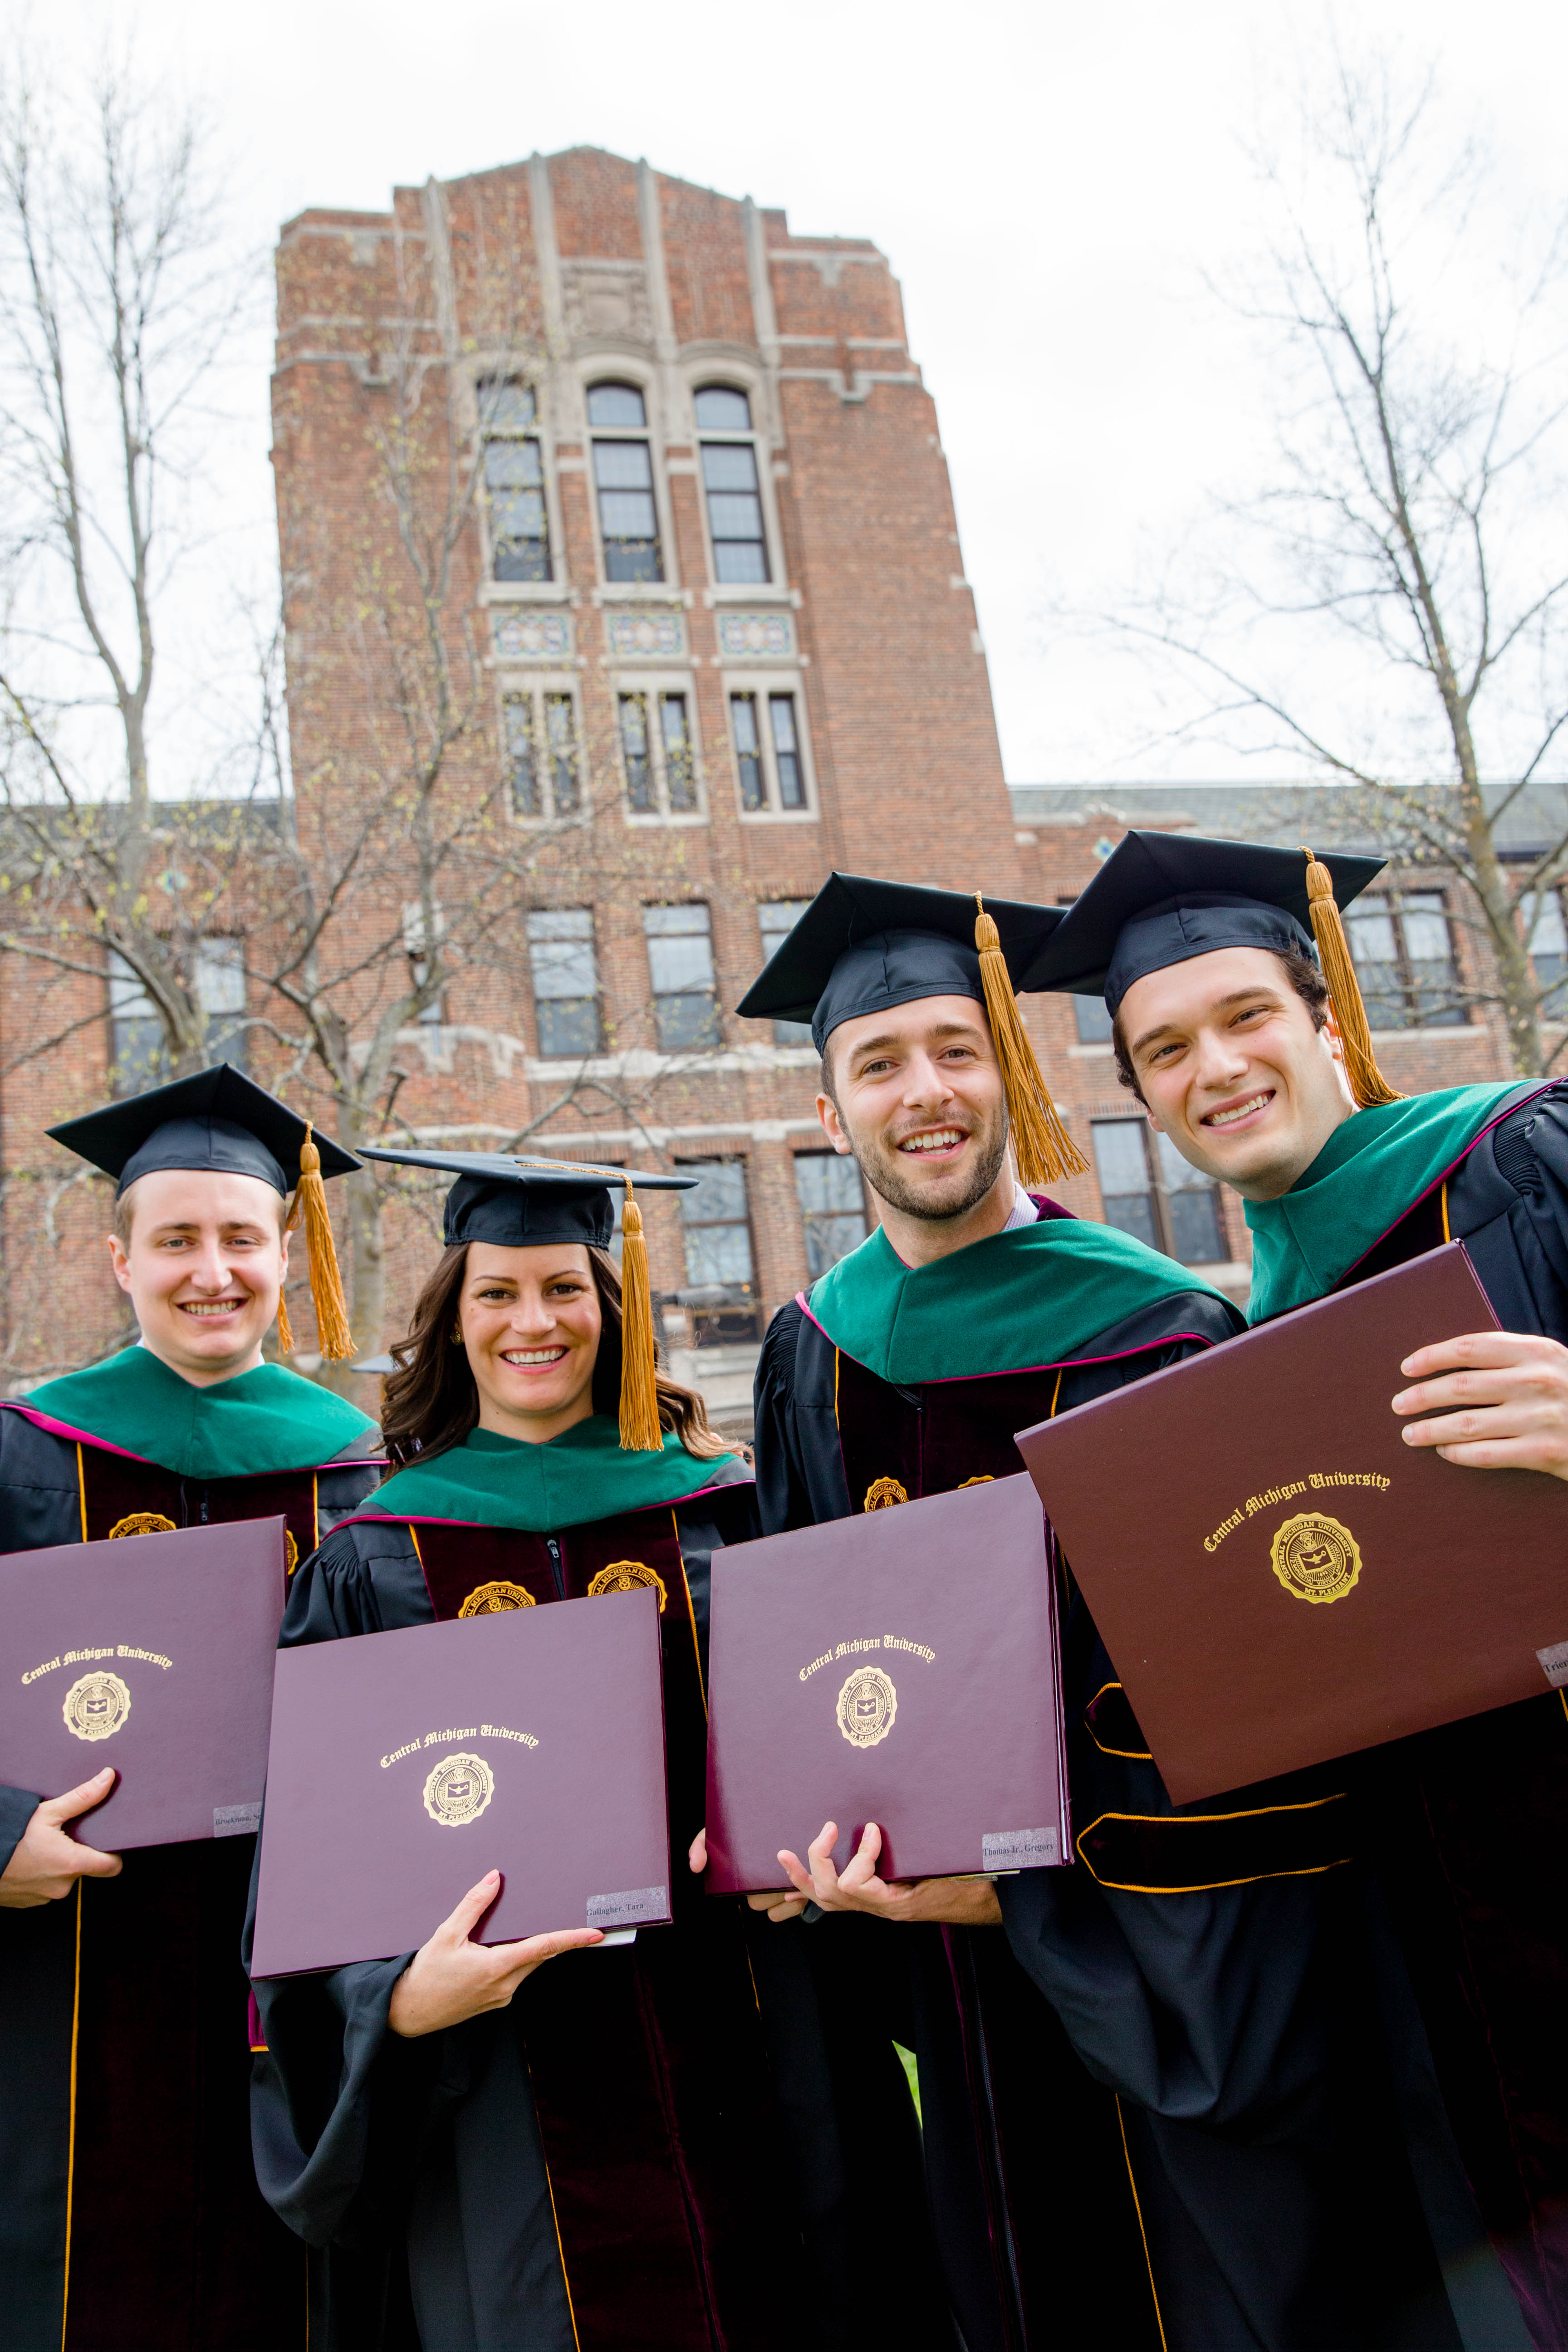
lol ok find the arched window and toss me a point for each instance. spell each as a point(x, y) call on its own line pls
point(730, 479)
point(623, 479)
point(514, 480)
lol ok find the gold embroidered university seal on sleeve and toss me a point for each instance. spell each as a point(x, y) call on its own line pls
point(144, 1523)
point(1314, 1556)
point(867, 1706)
point(626, 1576)
point(883, 1493)
point(485, 1600)
point(457, 1789)
point(96, 1706)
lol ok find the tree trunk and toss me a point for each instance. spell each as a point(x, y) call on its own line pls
point(366, 1287)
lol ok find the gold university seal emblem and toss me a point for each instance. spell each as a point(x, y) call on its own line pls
point(457, 1789)
point(95, 1706)
point(624, 1576)
point(867, 1706)
point(485, 1600)
point(144, 1523)
point(1315, 1557)
point(882, 1494)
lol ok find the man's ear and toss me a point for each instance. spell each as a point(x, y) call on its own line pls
point(1158, 1125)
point(1331, 1032)
point(119, 1262)
point(833, 1126)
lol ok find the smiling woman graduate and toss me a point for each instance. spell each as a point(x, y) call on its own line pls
point(1254, 1058)
point(129, 2214)
point(597, 2160)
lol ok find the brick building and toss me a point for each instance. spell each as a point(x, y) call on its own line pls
point(656, 485)
point(728, 642)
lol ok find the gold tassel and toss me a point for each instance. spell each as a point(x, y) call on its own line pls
point(640, 1429)
point(1368, 1085)
point(284, 1336)
point(332, 1333)
point(1046, 1152)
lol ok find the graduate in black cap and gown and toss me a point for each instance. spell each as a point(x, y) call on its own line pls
point(1146, 2160)
point(128, 2211)
point(1239, 1025)
point(596, 2161)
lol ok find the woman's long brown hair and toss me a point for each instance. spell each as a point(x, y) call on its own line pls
point(430, 1401)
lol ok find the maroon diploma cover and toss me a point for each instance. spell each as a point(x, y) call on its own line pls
point(152, 1654)
point(1278, 1576)
point(405, 1765)
point(900, 1667)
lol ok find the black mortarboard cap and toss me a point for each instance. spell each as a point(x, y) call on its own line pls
point(528, 1203)
point(537, 1204)
point(217, 1120)
point(1160, 899)
point(864, 946)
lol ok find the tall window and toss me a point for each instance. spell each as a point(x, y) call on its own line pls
point(1403, 957)
point(1150, 1190)
point(832, 1207)
point(513, 479)
point(786, 751)
point(716, 1229)
point(658, 754)
point(638, 752)
point(623, 477)
point(565, 980)
point(776, 919)
point(768, 757)
point(730, 479)
point(1546, 938)
point(1093, 1020)
point(137, 1050)
point(416, 947)
point(681, 967)
point(543, 753)
point(219, 976)
point(748, 750)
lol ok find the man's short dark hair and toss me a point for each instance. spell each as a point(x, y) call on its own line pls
point(827, 1076)
point(1306, 979)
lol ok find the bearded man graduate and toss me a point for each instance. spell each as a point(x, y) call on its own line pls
point(129, 2214)
point(1259, 1067)
point(1175, 2151)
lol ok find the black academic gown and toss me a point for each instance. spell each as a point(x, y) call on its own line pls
point(1467, 1826)
point(598, 2165)
point(1187, 2147)
point(129, 2220)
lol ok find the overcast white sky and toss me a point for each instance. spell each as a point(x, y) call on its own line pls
point(1050, 181)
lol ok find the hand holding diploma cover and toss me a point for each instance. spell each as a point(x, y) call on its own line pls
point(1278, 1577)
point(405, 1765)
point(900, 1667)
point(155, 1656)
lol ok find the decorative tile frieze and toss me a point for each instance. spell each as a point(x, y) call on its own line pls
point(532, 636)
point(643, 635)
point(753, 636)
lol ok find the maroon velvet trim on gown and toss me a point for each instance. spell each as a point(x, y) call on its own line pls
point(116, 1489)
point(171, 2246)
point(647, 2062)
